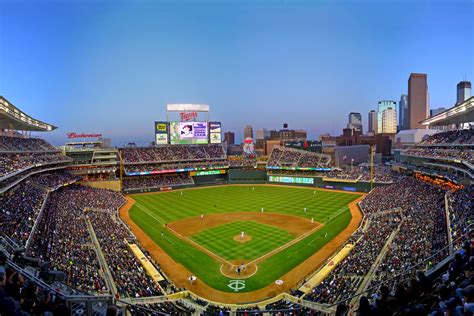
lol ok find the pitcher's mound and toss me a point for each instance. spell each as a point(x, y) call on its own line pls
point(241, 239)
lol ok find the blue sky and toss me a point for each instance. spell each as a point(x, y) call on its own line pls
point(110, 67)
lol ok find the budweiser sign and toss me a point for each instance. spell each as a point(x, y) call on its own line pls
point(83, 135)
point(187, 116)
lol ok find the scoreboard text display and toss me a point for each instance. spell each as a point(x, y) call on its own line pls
point(291, 179)
point(188, 133)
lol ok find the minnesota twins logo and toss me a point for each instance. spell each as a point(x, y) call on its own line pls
point(236, 285)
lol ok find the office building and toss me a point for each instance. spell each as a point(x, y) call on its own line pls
point(355, 121)
point(389, 121)
point(248, 132)
point(372, 127)
point(403, 113)
point(434, 112)
point(262, 133)
point(463, 91)
point(418, 108)
point(229, 138)
point(382, 106)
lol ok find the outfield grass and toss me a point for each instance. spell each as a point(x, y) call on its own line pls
point(220, 240)
point(151, 212)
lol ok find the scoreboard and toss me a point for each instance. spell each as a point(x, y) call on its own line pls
point(187, 133)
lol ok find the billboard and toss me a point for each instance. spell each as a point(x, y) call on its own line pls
point(161, 133)
point(291, 179)
point(188, 133)
point(215, 132)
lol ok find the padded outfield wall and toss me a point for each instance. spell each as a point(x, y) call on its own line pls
point(258, 176)
point(246, 176)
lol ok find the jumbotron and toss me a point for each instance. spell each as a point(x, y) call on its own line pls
point(192, 225)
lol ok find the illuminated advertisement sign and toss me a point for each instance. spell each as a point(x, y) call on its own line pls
point(206, 173)
point(83, 135)
point(188, 133)
point(161, 133)
point(215, 131)
point(291, 179)
point(349, 189)
point(161, 139)
point(144, 173)
point(297, 168)
point(187, 116)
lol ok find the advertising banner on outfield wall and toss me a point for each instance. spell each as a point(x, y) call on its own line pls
point(161, 133)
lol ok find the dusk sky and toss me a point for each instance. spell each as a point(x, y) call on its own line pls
point(110, 67)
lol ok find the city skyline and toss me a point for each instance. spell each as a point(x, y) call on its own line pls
point(74, 65)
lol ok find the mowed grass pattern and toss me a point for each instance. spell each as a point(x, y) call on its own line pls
point(152, 211)
point(174, 205)
point(219, 240)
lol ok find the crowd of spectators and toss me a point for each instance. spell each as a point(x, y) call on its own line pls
point(159, 181)
point(20, 297)
point(19, 209)
point(461, 215)
point(172, 166)
point(450, 293)
point(12, 162)
point(457, 153)
point(17, 143)
point(170, 153)
point(128, 273)
point(169, 308)
point(416, 210)
point(54, 179)
point(462, 136)
point(63, 239)
point(296, 158)
point(287, 308)
point(359, 174)
point(242, 162)
point(345, 279)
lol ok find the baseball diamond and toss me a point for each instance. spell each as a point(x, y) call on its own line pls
point(196, 229)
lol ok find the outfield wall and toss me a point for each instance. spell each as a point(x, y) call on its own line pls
point(243, 176)
point(318, 182)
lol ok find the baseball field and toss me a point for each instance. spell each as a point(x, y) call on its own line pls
point(240, 239)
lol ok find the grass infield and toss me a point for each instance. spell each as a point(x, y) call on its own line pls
point(152, 211)
point(220, 240)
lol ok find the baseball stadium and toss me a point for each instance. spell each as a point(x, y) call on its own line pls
point(193, 225)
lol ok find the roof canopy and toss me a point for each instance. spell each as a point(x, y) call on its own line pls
point(462, 113)
point(13, 118)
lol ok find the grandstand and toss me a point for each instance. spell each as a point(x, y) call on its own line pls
point(62, 238)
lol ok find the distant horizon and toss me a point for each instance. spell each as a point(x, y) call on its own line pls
point(78, 66)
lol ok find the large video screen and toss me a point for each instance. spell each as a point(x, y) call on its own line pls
point(291, 179)
point(188, 133)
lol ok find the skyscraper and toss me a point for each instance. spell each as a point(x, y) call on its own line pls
point(382, 106)
point(418, 108)
point(403, 112)
point(372, 122)
point(464, 91)
point(248, 132)
point(389, 120)
point(262, 133)
point(229, 138)
point(355, 121)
